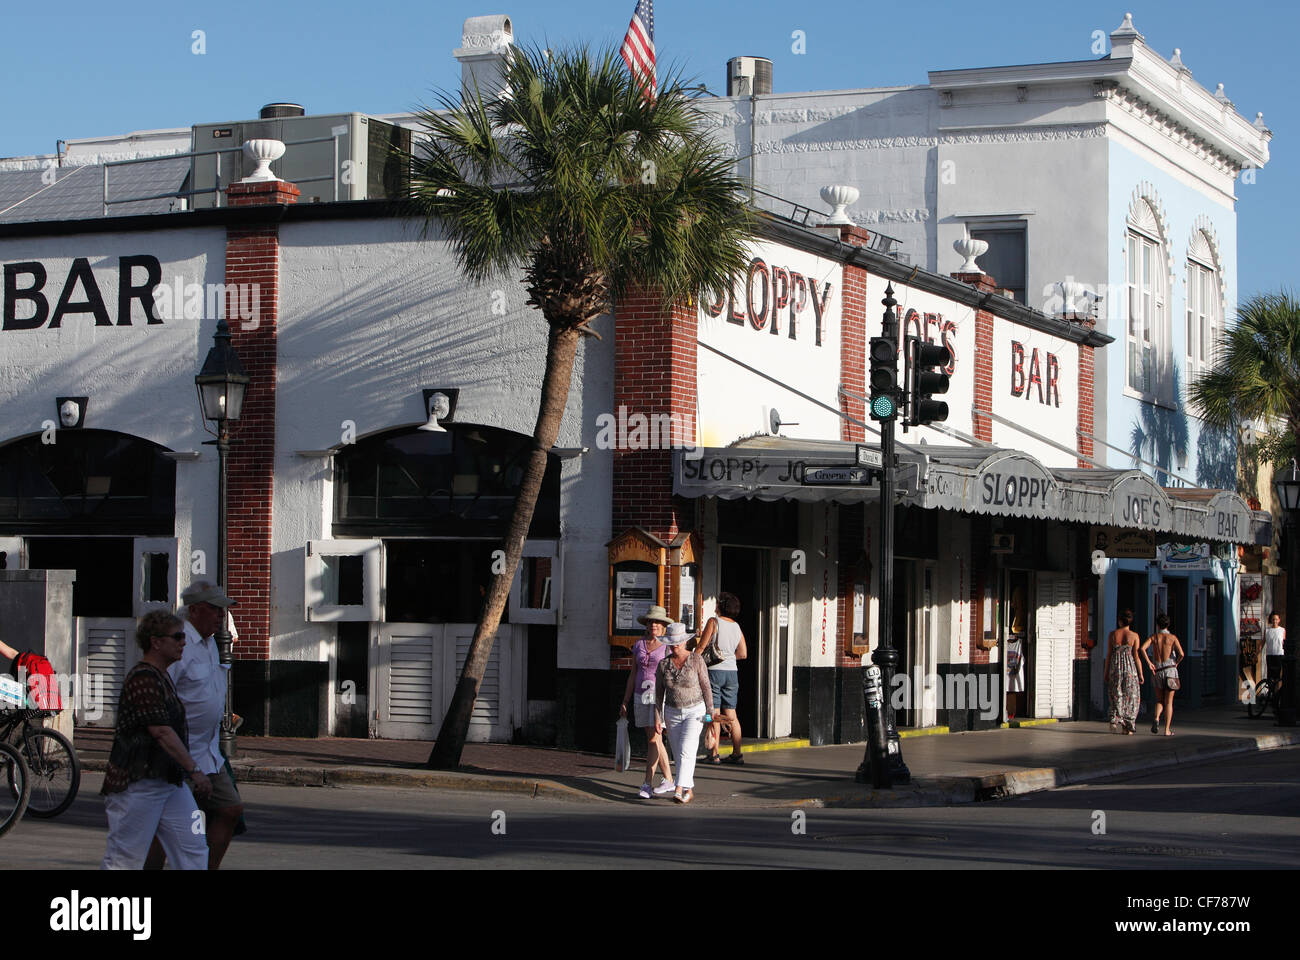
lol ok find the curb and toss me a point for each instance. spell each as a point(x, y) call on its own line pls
point(306, 776)
point(948, 791)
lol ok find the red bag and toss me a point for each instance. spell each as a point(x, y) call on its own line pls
point(42, 682)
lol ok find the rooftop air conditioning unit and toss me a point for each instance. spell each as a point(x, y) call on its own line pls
point(339, 156)
point(749, 76)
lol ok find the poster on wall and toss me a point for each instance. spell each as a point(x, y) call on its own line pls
point(634, 595)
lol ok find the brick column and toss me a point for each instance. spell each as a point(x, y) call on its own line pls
point(1087, 410)
point(853, 338)
point(654, 376)
point(253, 257)
point(983, 354)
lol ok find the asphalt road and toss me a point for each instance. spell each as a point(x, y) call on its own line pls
point(1241, 813)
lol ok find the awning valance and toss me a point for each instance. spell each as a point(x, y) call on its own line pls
point(977, 480)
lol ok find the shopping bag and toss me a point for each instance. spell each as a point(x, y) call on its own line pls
point(622, 747)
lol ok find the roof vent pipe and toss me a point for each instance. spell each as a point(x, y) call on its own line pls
point(276, 111)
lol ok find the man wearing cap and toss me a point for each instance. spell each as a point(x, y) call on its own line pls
point(200, 681)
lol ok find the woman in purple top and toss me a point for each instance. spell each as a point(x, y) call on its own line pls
point(646, 654)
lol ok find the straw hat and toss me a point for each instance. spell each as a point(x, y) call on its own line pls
point(657, 614)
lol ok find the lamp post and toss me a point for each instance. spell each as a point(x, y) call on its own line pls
point(221, 384)
point(1288, 495)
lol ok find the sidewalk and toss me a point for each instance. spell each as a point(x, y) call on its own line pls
point(947, 768)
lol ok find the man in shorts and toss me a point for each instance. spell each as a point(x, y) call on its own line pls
point(201, 685)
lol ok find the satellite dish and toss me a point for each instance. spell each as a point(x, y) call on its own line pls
point(773, 421)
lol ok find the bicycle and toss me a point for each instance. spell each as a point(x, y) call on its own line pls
point(54, 772)
point(16, 788)
point(1266, 694)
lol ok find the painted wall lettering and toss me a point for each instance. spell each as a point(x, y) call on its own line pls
point(771, 291)
point(27, 305)
point(1022, 383)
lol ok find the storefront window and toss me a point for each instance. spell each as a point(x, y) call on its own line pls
point(87, 482)
point(461, 483)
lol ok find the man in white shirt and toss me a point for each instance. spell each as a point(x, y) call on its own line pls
point(200, 681)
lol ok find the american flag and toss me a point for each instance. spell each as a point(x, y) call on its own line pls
point(638, 50)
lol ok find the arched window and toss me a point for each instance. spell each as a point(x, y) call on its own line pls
point(88, 482)
point(462, 483)
point(1148, 336)
point(1204, 304)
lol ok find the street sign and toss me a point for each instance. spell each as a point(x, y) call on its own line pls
point(869, 458)
point(841, 476)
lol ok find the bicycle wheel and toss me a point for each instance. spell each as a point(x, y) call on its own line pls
point(15, 787)
point(54, 772)
point(1262, 698)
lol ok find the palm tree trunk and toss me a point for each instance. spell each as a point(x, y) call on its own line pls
point(562, 347)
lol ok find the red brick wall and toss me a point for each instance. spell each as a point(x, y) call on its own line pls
point(1087, 408)
point(983, 355)
point(654, 373)
point(853, 339)
point(253, 257)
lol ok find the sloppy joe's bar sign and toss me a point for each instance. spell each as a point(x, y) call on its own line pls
point(1036, 386)
point(781, 316)
point(777, 299)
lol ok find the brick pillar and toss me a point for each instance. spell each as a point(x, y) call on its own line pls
point(253, 257)
point(983, 354)
point(853, 338)
point(654, 376)
point(1087, 409)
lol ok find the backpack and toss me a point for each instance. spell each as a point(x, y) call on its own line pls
point(42, 682)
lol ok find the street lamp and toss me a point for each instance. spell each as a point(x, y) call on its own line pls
point(221, 384)
point(1288, 495)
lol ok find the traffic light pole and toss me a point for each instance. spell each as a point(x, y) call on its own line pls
point(886, 656)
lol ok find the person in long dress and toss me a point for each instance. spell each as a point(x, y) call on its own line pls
point(1123, 672)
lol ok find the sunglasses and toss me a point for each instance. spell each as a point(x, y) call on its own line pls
point(174, 636)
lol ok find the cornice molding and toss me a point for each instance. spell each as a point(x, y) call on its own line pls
point(998, 134)
point(1156, 119)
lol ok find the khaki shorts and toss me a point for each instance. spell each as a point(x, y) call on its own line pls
point(223, 793)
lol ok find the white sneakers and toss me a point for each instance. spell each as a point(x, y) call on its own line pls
point(644, 792)
point(666, 787)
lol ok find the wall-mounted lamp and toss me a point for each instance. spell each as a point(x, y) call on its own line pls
point(439, 405)
point(72, 411)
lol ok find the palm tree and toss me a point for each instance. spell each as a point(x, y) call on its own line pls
point(592, 188)
point(1256, 374)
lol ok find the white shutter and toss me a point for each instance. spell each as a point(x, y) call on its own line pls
point(1054, 646)
point(538, 586)
point(327, 581)
point(107, 650)
point(487, 707)
point(411, 679)
point(154, 575)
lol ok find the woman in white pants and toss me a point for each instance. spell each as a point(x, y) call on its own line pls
point(682, 701)
point(145, 790)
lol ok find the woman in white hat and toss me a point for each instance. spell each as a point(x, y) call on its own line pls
point(682, 700)
point(646, 654)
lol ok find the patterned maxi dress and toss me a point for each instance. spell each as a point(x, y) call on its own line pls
point(1123, 688)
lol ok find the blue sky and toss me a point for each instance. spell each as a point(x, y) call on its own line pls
point(94, 69)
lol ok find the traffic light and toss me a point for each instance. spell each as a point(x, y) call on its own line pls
point(884, 378)
point(925, 381)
